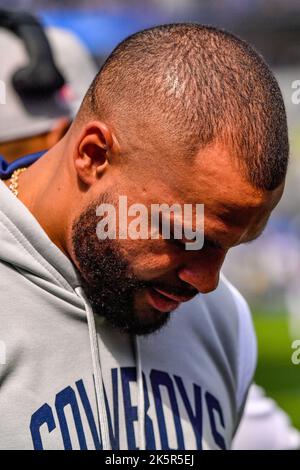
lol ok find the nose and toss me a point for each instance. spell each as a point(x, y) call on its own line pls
point(200, 275)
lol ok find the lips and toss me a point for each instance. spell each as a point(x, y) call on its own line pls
point(164, 301)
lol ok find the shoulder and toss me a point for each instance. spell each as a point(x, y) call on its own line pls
point(247, 345)
point(229, 317)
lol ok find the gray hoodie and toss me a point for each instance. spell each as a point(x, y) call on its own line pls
point(70, 381)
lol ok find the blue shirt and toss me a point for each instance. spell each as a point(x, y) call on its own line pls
point(6, 169)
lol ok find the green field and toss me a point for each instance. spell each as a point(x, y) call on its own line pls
point(275, 371)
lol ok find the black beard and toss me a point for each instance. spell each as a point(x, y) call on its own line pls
point(106, 279)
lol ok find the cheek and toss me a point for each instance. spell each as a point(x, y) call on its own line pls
point(150, 259)
point(204, 263)
point(151, 266)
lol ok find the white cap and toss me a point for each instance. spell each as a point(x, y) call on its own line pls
point(21, 117)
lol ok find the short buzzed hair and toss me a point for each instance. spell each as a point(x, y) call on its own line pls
point(204, 85)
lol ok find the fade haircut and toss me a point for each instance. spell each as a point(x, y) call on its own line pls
point(203, 85)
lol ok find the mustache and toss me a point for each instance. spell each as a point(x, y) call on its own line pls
point(137, 285)
point(173, 290)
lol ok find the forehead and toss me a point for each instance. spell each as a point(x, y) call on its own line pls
point(215, 177)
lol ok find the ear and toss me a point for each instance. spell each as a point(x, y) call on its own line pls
point(94, 146)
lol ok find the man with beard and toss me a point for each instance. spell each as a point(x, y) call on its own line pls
point(123, 343)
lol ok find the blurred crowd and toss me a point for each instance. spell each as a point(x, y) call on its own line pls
point(242, 5)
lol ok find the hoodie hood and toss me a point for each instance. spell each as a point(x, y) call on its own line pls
point(25, 245)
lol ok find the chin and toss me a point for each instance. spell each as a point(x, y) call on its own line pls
point(150, 320)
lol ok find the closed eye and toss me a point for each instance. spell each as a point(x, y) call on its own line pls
point(210, 242)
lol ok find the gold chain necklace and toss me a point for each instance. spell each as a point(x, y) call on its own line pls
point(14, 183)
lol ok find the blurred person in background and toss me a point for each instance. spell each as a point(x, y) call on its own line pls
point(264, 425)
point(45, 73)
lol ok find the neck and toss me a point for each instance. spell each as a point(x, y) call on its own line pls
point(43, 190)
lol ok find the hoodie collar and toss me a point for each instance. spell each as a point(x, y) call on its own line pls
point(32, 247)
